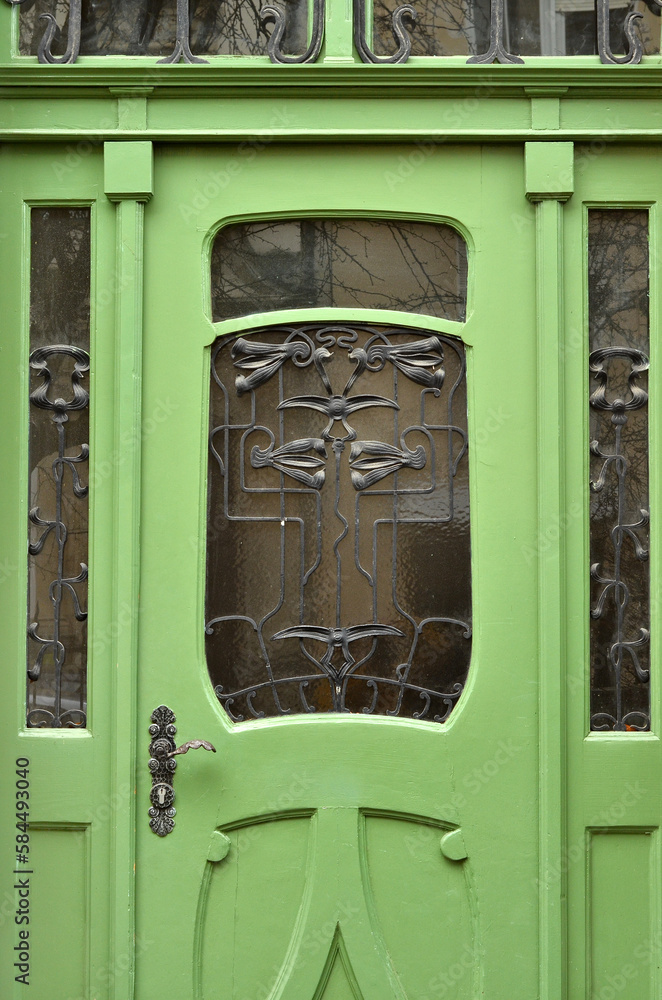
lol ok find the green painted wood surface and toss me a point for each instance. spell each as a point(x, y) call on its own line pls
point(373, 796)
point(338, 821)
point(75, 802)
point(613, 779)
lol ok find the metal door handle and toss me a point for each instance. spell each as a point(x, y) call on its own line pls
point(193, 745)
point(162, 750)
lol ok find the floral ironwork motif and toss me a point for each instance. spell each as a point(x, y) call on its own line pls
point(306, 467)
point(614, 595)
point(61, 588)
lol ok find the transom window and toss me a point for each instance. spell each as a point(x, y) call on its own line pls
point(485, 31)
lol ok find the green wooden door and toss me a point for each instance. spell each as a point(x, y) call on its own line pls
point(332, 855)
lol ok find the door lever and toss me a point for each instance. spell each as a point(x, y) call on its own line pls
point(193, 745)
point(162, 750)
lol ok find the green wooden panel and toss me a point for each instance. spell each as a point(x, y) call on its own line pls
point(432, 935)
point(70, 780)
point(250, 907)
point(59, 919)
point(622, 924)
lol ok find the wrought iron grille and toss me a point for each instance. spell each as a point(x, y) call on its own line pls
point(338, 558)
point(63, 593)
point(489, 31)
point(627, 647)
point(620, 648)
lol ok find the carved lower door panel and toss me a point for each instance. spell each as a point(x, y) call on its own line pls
point(301, 904)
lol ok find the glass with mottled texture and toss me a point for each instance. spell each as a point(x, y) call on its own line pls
point(338, 550)
point(618, 283)
point(59, 435)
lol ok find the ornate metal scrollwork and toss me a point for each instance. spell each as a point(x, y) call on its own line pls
point(402, 16)
point(614, 597)
point(61, 587)
point(182, 48)
point(497, 51)
point(631, 34)
point(274, 49)
point(400, 34)
point(45, 52)
point(162, 765)
point(365, 659)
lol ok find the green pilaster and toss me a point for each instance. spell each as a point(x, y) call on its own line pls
point(128, 181)
point(549, 182)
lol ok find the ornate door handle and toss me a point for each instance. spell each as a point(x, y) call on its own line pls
point(162, 765)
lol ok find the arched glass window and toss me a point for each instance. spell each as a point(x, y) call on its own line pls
point(338, 549)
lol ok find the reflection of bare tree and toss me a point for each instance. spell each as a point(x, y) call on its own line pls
point(148, 27)
point(59, 315)
point(408, 266)
point(618, 318)
point(442, 28)
point(60, 276)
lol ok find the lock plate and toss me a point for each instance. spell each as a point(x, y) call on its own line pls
point(162, 764)
point(163, 767)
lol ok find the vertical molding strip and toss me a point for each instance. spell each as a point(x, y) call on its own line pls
point(549, 183)
point(128, 176)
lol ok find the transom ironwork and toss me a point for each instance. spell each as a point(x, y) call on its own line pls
point(338, 563)
point(491, 30)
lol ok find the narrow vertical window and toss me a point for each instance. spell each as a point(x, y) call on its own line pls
point(618, 266)
point(59, 434)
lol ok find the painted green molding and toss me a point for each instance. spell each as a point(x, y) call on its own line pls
point(129, 171)
point(549, 181)
point(581, 76)
point(549, 170)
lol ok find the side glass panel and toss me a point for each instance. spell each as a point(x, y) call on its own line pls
point(59, 432)
point(338, 559)
point(618, 273)
point(142, 27)
point(381, 264)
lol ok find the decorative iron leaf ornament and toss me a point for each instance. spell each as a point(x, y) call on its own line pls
point(62, 588)
point(382, 460)
point(271, 13)
point(614, 598)
point(405, 12)
point(316, 496)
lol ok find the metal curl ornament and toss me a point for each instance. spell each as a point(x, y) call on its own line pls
point(400, 34)
point(275, 52)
